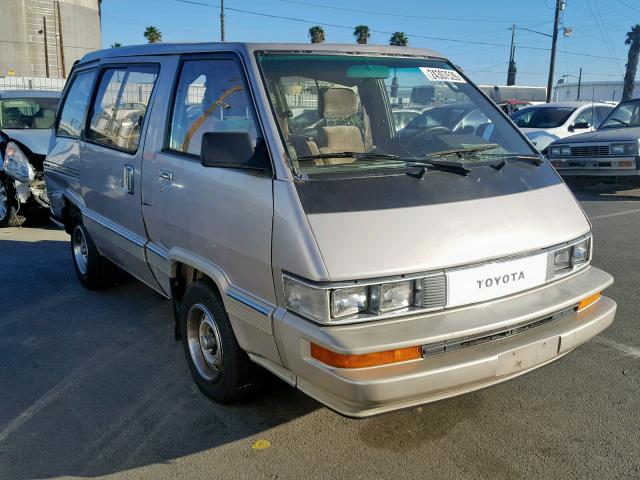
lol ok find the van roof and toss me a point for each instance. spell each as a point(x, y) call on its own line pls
point(178, 48)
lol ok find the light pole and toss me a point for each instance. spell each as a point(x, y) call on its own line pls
point(222, 20)
point(579, 77)
point(43, 32)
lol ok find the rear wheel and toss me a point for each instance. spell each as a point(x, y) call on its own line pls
point(93, 270)
point(220, 368)
point(9, 206)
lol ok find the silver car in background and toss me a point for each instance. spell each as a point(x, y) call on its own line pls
point(26, 123)
point(610, 151)
point(264, 191)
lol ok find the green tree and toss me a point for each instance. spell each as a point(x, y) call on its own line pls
point(399, 39)
point(116, 45)
point(362, 34)
point(316, 34)
point(633, 40)
point(152, 34)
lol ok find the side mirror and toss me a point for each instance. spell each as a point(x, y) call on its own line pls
point(580, 126)
point(233, 150)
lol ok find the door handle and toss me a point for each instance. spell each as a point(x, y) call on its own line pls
point(165, 174)
point(127, 179)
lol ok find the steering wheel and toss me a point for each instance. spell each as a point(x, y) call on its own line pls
point(424, 135)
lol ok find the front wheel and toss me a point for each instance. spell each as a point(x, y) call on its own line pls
point(9, 206)
point(93, 270)
point(220, 368)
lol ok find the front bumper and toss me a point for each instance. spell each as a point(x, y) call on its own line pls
point(368, 391)
point(597, 166)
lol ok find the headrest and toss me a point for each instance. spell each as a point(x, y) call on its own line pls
point(338, 103)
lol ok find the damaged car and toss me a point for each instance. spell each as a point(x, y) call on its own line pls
point(26, 123)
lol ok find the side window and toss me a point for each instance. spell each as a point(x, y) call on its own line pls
point(212, 96)
point(75, 105)
point(586, 116)
point(119, 107)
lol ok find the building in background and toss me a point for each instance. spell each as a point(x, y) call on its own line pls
point(608, 90)
point(42, 38)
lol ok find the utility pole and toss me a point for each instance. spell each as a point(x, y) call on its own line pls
point(579, 83)
point(552, 63)
point(64, 71)
point(511, 73)
point(222, 20)
point(46, 45)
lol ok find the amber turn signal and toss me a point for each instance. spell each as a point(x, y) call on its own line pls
point(585, 302)
point(340, 360)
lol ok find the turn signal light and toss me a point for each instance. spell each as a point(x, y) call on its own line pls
point(374, 359)
point(591, 299)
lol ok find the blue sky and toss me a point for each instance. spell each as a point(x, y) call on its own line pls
point(482, 29)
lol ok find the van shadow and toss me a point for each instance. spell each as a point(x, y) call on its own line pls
point(94, 381)
point(595, 189)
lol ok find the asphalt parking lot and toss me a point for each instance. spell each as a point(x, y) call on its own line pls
point(93, 384)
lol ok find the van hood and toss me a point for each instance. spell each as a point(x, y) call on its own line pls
point(36, 140)
point(393, 241)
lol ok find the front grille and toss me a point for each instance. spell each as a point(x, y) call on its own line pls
point(590, 151)
point(492, 335)
point(434, 291)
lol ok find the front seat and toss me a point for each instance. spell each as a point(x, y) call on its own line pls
point(339, 105)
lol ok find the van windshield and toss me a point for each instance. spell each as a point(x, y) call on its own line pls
point(32, 113)
point(344, 113)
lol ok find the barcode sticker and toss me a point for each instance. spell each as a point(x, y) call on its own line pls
point(442, 75)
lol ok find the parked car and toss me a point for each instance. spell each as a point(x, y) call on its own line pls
point(370, 271)
point(463, 117)
point(610, 151)
point(547, 122)
point(26, 122)
point(403, 116)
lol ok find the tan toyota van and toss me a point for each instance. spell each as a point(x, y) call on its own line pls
point(265, 190)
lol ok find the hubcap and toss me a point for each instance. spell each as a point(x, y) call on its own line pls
point(205, 346)
point(4, 201)
point(80, 253)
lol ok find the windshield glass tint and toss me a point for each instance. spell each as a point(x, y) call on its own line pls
point(542, 117)
point(33, 113)
point(396, 108)
point(624, 115)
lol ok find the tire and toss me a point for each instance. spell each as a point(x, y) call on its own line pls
point(220, 368)
point(9, 205)
point(93, 270)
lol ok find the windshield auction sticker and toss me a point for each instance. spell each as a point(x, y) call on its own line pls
point(442, 75)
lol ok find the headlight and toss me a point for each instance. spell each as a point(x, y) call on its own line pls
point(559, 151)
point(16, 164)
point(624, 149)
point(351, 303)
point(567, 258)
point(617, 149)
point(308, 301)
point(396, 295)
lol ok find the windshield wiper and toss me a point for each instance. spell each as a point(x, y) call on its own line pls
point(461, 152)
point(354, 155)
point(534, 159)
point(451, 167)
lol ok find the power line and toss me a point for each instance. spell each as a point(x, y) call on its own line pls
point(603, 33)
point(400, 15)
point(349, 27)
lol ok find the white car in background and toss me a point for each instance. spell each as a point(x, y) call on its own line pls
point(547, 122)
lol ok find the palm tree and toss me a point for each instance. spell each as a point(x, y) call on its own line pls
point(362, 34)
point(399, 39)
point(152, 34)
point(116, 45)
point(633, 40)
point(316, 34)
